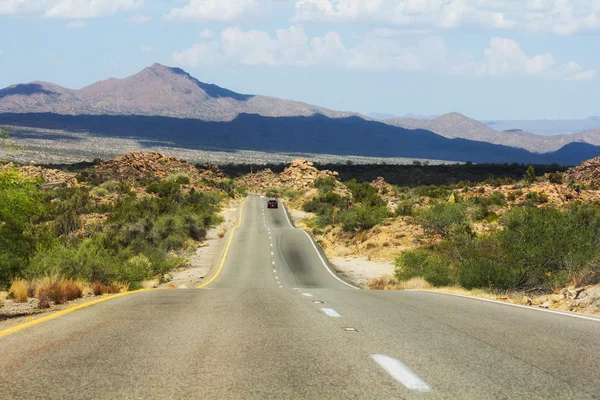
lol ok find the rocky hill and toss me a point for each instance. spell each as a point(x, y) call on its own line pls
point(587, 173)
point(143, 167)
point(156, 91)
point(455, 125)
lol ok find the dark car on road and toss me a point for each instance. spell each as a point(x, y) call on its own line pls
point(272, 204)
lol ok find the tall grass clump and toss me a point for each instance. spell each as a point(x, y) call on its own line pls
point(19, 290)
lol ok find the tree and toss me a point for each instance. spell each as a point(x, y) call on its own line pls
point(529, 176)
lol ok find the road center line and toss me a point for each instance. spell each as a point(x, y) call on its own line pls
point(307, 294)
point(401, 373)
point(331, 312)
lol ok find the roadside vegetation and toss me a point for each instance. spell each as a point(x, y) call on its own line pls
point(97, 236)
point(505, 234)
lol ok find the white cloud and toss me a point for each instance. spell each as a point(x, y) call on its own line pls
point(76, 24)
point(145, 49)
point(139, 19)
point(206, 34)
point(561, 17)
point(505, 58)
point(213, 10)
point(378, 50)
point(381, 49)
point(68, 9)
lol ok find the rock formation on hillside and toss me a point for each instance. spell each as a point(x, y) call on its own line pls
point(302, 174)
point(147, 166)
point(587, 172)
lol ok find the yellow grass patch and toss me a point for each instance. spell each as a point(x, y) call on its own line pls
point(19, 290)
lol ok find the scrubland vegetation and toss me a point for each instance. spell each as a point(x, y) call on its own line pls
point(500, 240)
point(98, 236)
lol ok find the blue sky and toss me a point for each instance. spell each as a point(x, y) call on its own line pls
point(488, 59)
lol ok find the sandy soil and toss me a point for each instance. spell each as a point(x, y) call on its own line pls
point(359, 270)
point(209, 254)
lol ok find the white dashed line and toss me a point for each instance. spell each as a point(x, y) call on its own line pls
point(273, 262)
point(272, 253)
point(307, 294)
point(401, 373)
point(331, 312)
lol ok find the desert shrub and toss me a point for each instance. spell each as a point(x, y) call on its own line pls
point(550, 244)
point(537, 197)
point(111, 186)
point(423, 264)
point(362, 217)
point(19, 290)
point(67, 223)
point(365, 194)
point(512, 196)
point(405, 208)
point(99, 192)
point(556, 178)
point(325, 184)
point(434, 192)
point(444, 219)
point(181, 179)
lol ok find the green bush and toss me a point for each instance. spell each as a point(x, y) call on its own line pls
point(556, 178)
point(325, 184)
point(99, 192)
point(537, 197)
point(444, 219)
point(405, 209)
point(362, 217)
point(434, 192)
point(365, 194)
point(424, 264)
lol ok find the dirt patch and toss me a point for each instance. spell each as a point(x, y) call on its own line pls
point(359, 270)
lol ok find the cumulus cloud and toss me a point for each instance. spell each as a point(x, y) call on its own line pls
point(213, 10)
point(69, 9)
point(79, 24)
point(505, 58)
point(561, 17)
point(382, 49)
point(292, 46)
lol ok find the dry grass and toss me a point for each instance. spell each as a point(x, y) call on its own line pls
point(58, 290)
point(389, 283)
point(150, 284)
point(19, 290)
point(99, 288)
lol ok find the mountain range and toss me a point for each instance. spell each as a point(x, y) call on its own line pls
point(162, 103)
point(455, 125)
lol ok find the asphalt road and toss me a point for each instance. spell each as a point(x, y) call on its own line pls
point(271, 326)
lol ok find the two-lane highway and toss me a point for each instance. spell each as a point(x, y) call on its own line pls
point(277, 323)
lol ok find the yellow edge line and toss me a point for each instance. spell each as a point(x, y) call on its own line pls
point(67, 311)
point(226, 249)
